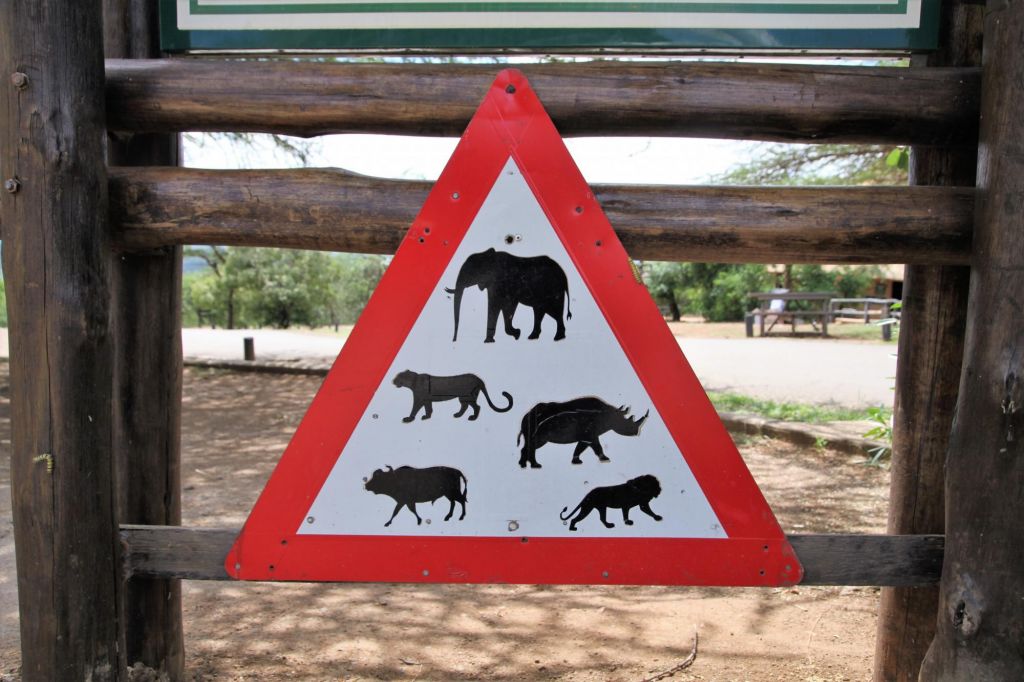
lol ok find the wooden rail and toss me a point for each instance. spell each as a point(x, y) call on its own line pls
point(698, 99)
point(339, 211)
point(903, 560)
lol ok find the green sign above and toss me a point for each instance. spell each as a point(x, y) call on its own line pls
point(585, 25)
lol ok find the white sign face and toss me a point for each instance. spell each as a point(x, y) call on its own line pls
point(503, 498)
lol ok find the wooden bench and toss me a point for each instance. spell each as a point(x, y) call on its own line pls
point(817, 316)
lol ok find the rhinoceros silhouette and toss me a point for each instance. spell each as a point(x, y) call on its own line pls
point(581, 421)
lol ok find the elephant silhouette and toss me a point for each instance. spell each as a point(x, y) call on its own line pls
point(538, 282)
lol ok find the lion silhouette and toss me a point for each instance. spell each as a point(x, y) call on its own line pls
point(636, 492)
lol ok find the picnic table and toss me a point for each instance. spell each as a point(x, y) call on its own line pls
point(843, 308)
point(792, 307)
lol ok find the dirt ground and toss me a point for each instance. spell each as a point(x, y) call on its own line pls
point(235, 427)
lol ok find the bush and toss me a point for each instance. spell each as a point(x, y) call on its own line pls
point(718, 291)
point(277, 288)
point(846, 281)
point(727, 300)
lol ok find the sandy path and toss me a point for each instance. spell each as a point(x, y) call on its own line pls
point(235, 428)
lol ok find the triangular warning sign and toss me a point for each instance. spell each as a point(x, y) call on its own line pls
point(511, 406)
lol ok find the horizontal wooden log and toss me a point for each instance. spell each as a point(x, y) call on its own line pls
point(790, 103)
point(887, 560)
point(881, 560)
point(334, 210)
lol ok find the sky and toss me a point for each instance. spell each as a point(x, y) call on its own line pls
point(634, 160)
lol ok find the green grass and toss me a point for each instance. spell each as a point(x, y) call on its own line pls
point(865, 332)
point(791, 412)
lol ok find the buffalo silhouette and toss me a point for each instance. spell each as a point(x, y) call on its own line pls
point(408, 485)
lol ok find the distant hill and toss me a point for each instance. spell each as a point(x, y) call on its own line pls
point(193, 264)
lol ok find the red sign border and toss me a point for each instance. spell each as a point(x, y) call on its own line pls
point(511, 121)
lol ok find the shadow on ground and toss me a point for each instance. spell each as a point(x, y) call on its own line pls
point(236, 426)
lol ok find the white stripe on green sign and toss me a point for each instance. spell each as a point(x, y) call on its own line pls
point(221, 15)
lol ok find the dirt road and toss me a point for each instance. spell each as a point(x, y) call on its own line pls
point(235, 427)
point(804, 370)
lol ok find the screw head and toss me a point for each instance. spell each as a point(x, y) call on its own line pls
point(19, 80)
point(511, 89)
point(12, 185)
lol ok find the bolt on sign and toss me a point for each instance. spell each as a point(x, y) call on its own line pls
point(583, 25)
point(511, 406)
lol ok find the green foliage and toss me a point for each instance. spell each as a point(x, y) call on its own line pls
point(898, 158)
point(824, 164)
point(882, 431)
point(718, 291)
point(847, 281)
point(357, 277)
point(715, 290)
point(726, 299)
point(279, 288)
point(795, 412)
point(202, 300)
point(282, 287)
point(667, 283)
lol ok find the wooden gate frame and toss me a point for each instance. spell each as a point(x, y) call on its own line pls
point(92, 257)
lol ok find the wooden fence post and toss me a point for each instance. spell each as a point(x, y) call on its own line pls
point(927, 379)
point(981, 617)
point(146, 318)
point(56, 254)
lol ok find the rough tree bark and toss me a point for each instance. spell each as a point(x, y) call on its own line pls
point(56, 255)
point(335, 210)
point(927, 379)
point(146, 316)
point(981, 616)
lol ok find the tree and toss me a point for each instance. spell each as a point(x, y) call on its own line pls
point(725, 299)
point(255, 287)
point(824, 164)
point(847, 281)
point(357, 277)
point(667, 284)
point(254, 150)
point(212, 296)
point(719, 291)
point(283, 287)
